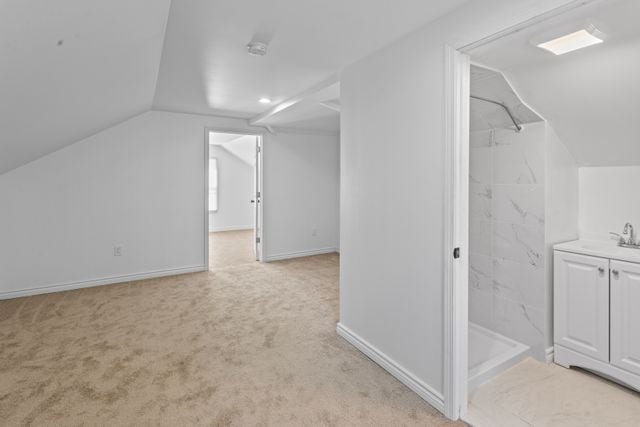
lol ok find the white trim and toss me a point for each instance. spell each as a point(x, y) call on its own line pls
point(548, 354)
point(258, 231)
point(101, 282)
point(299, 254)
point(423, 390)
point(456, 232)
point(206, 197)
point(232, 228)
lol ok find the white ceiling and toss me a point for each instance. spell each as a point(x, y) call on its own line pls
point(309, 112)
point(70, 68)
point(491, 85)
point(591, 97)
point(206, 69)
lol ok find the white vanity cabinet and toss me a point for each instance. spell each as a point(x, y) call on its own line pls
point(581, 304)
point(625, 316)
point(597, 309)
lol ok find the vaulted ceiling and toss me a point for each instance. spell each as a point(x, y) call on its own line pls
point(70, 68)
point(591, 97)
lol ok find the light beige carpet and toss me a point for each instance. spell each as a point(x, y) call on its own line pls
point(248, 345)
point(231, 248)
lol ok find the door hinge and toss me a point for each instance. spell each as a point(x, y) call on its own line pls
point(257, 240)
point(456, 253)
point(258, 149)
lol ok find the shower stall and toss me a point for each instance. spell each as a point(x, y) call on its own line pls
point(512, 151)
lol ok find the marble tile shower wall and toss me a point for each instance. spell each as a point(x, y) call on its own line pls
point(507, 232)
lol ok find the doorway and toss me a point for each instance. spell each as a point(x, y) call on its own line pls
point(515, 208)
point(234, 198)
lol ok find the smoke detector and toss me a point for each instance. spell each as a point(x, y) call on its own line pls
point(257, 48)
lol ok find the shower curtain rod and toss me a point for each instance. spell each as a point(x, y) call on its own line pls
point(518, 127)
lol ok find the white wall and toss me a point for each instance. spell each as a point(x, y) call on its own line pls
point(561, 217)
point(392, 154)
point(609, 198)
point(140, 185)
point(236, 188)
point(301, 179)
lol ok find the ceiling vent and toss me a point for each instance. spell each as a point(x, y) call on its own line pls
point(257, 48)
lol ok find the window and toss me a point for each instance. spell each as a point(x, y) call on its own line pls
point(213, 185)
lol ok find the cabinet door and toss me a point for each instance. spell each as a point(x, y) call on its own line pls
point(581, 304)
point(625, 316)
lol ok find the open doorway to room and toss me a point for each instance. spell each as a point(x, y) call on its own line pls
point(533, 183)
point(234, 198)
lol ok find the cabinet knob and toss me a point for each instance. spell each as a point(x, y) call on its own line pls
point(600, 270)
point(615, 273)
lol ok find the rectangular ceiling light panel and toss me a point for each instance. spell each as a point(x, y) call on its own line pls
point(574, 41)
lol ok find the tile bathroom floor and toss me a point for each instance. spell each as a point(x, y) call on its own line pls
point(533, 393)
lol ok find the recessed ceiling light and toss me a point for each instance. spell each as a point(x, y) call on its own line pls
point(265, 101)
point(570, 42)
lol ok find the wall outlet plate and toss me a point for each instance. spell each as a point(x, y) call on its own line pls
point(117, 251)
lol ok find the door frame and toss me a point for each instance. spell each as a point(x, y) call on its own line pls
point(456, 209)
point(260, 187)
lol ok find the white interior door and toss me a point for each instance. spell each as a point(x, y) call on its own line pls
point(581, 304)
point(625, 316)
point(257, 228)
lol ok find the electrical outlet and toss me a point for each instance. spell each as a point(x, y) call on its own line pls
point(117, 251)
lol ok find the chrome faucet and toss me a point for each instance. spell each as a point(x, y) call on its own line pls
point(628, 229)
point(631, 242)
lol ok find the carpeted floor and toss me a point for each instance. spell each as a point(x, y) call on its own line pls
point(231, 248)
point(251, 344)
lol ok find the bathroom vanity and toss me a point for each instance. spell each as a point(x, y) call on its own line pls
point(597, 309)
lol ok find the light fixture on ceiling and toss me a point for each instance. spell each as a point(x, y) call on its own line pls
point(257, 48)
point(264, 101)
point(573, 41)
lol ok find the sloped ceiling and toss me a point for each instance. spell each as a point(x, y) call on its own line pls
point(491, 85)
point(70, 68)
point(241, 146)
point(206, 69)
point(591, 97)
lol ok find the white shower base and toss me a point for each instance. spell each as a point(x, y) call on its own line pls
point(491, 353)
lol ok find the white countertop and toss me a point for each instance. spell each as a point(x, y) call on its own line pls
point(600, 249)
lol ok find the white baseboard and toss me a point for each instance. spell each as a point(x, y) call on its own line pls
point(231, 228)
point(100, 282)
point(423, 390)
point(300, 254)
point(548, 353)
